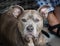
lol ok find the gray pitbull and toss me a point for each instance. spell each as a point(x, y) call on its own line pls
point(22, 27)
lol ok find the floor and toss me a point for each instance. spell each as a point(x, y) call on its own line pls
point(54, 41)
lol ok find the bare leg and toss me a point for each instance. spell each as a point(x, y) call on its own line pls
point(53, 21)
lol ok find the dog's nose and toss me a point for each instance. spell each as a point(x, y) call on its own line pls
point(30, 28)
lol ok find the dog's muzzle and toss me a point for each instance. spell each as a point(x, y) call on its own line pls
point(30, 28)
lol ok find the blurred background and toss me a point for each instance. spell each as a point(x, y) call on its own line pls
point(27, 4)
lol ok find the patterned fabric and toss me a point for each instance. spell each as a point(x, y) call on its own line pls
point(48, 2)
point(51, 3)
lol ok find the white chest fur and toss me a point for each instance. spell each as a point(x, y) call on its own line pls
point(31, 42)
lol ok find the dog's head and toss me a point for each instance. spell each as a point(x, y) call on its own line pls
point(30, 22)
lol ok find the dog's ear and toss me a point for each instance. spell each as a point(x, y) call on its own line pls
point(43, 11)
point(16, 10)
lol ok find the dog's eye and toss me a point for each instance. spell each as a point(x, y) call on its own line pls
point(36, 20)
point(24, 20)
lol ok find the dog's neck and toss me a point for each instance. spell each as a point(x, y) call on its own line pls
point(34, 41)
point(24, 41)
point(30, 42)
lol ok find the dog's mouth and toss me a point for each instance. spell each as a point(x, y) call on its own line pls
point(27, 37)
point(30, 35)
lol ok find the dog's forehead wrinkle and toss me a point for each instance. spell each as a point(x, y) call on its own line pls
point(31, 14)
